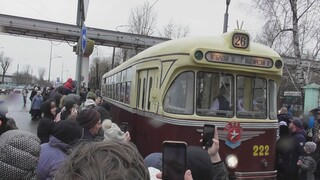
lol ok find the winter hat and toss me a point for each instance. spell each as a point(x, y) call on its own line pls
point(310, 147)
point(199, 162)
point(298, 123)
point(154, 160)
point(283, 123)
point(103, 112)
point(112, 132)
point(67, 131)
point(89, 103)
point(76, 98)
point(68, 103)
point(19, 154)
point(88, 118)
point(91, 95)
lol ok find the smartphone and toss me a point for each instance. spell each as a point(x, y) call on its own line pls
point(124, 127)
point(174, 165)
point(208, 135)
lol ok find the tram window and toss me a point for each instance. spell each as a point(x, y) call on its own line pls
point(114, 91)
point(127, 96)
point(143, 92)
point(123, 90)
point(251, 97)
point(124, 76)
point(118, 91)
point(272, 99)
point(179, 97)
point(138, 95)
point(215, 94)
point(150, 86)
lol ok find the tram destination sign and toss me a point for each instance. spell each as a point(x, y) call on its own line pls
point(292, 93)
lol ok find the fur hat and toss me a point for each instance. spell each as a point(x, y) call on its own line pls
point(67, 131)
point(310, 147)
point(199, 162)
point(112, 131)
point(20, 151)
point(298, 123)
point(88, 118)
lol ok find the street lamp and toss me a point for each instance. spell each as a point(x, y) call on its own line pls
point(226, 17)
point(51, 58)
point(55, 57)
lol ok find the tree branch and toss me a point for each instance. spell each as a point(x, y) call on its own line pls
point(306, 10)
point(281, 31)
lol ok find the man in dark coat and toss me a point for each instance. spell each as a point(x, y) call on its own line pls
point(294, 150)
point(221, 102)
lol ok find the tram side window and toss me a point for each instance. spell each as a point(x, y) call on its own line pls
point(251, 97)
point(118, 91)
point(272, 99)
point(122, 93)
point(215, 94)
point(150, 86)
point(127, 96)
point(179, 97)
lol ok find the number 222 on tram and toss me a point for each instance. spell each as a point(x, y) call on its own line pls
point(170, 90)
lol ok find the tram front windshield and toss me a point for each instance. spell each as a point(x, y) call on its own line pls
point(215, 95)
point(221, 95)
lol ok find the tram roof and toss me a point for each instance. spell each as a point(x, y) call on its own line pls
point(189, 44)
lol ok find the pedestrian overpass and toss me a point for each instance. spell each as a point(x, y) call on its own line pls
point(34, 28)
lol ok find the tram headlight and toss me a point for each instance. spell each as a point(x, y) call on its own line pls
point(232, 161)
point(198, 55)
point(278, 64)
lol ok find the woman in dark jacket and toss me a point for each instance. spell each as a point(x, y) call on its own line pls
point(46, 123)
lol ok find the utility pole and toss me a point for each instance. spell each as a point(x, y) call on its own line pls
point(226, 17)
point(81, 16)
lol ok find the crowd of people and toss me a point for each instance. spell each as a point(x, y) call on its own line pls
point(76, 139)
point(298, 148)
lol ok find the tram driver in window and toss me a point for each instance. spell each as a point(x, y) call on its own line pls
point(222, 101)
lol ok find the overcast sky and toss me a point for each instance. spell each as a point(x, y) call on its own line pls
point(204, 17)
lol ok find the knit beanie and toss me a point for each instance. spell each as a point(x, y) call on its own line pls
point(310, 147)
point(68, 103)
point(199, 162)
point(91, 95)
point(19, 154)
point(89, 103)
point(103, 112)
point(298, 123)
point(67, 131)
point(88, 118)
point(76, 98)
point(112, 132)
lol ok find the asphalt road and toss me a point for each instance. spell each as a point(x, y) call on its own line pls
point(19, 113)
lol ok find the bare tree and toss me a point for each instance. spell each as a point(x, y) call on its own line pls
point(99, 66)
point(174, 31)
point(24, 77)
point(142, 20)
point(5, 63)
point(292, 28)
point(42, 72)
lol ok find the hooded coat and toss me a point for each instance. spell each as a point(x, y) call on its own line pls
point(307, 168)
point(46, 123)
point(52, 155)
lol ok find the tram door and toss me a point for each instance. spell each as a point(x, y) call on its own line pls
point(146, 86)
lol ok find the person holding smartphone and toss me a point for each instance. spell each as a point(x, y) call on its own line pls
point(219, 170)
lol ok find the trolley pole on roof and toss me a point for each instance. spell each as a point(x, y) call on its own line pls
point(226, 17)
